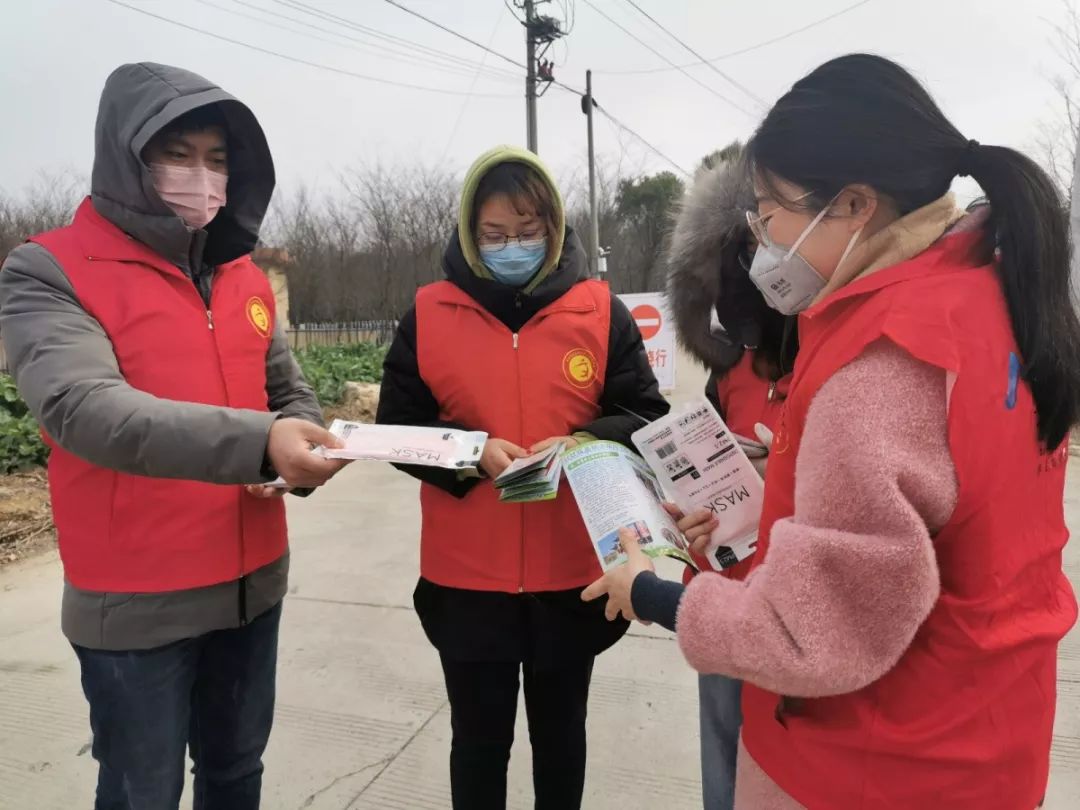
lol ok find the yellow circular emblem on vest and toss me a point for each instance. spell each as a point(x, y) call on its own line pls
point(259, 316)
point(579, 366)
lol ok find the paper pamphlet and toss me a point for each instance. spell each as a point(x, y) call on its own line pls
point(534, 478)
point(702, 465)
point(615, 489)
point(403, 444)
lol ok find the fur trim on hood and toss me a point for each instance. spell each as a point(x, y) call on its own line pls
point(710, 229)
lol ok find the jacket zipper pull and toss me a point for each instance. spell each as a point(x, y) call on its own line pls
point(772, 391)
point(515, 340)
point(210, 319)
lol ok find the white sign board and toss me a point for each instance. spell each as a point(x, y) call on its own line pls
point(650, 312)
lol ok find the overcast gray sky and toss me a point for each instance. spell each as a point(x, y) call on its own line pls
point(986, 61)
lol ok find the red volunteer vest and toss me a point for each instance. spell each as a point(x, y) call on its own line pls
point(544, 381)
point(964, 720)
point(128, 533)
point(745, 400)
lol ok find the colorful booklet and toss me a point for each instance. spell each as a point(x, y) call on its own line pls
point(689, 458)
point(534, 478)
point(615, 490)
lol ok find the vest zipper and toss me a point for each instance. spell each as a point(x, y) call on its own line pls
point(517, 367)
point(772, 391)
point(241, 583)
point(242, 594)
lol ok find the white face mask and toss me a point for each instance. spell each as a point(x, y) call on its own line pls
point(787, 281)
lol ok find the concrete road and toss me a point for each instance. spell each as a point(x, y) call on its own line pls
point(362, 720)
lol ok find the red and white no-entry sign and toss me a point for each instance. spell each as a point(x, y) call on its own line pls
point(653, 318)
point(648, 320)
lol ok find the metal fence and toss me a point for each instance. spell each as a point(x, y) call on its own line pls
point(336, 334)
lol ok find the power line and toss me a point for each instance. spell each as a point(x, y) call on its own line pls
point(756, 46)
point(685, 72)
point(652, 148)
point(392, 39)
point(454, 33)
point(513, 10)
point(557, 83)
point(625, 128)
point(390, 54)
point(713, 67)
point(465, 103)
point(298, 60)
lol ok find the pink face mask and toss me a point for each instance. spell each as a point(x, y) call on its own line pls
point(194, 194)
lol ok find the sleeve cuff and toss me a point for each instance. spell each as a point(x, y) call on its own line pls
point(656, 600)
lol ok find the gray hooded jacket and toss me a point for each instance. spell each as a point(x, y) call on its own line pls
point(67, 372)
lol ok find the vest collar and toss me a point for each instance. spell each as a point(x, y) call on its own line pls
point(100, 239)
point(570, 301)
point(954, 250)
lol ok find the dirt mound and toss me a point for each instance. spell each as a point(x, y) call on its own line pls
point(359, 404)
point(25, 516)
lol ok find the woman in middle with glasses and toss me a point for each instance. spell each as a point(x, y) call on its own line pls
point(517, 342)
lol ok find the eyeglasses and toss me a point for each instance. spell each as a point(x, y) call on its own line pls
point(759, 223)
point(494, 242)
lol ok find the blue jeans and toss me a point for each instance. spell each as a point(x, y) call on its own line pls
point(721, 720)
point(214, 693)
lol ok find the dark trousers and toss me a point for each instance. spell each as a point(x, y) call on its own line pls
point(483, 707)
point(214, 693)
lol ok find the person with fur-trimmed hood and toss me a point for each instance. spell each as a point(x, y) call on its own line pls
point(749, 349)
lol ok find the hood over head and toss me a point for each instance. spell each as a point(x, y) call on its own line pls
point(138, 102)
point(704, 272)
point(467, 239)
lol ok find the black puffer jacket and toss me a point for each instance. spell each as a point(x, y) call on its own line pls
point(630, 386)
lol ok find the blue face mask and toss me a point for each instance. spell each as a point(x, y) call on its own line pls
point(517, 263)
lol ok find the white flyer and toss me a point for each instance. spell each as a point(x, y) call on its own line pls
point(702, 465)
point(404, 444)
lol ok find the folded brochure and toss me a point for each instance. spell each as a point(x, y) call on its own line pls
point(615, 490)
point(533, 478)
point(688, 457)
point(701, 464)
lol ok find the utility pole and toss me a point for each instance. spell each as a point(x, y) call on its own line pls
point(587, 105)
point(530, 76)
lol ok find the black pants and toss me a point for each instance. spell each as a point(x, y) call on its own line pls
point(214, 694)
point(483, 706)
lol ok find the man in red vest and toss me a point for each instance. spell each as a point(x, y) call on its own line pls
point(144, 340)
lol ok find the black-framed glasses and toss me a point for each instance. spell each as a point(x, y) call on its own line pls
point(494, 242)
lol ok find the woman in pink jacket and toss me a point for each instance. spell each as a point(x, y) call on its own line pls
point(898, 637)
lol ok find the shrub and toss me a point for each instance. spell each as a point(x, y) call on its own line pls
point(328, 368)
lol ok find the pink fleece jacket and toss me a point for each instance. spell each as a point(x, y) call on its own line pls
point(853, 574)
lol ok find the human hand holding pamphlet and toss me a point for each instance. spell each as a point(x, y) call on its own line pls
point(616, 490)
point(688, 457)
point(533, 478)
point(702, 465)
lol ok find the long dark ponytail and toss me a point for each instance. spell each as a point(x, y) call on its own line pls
point(864, 119)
